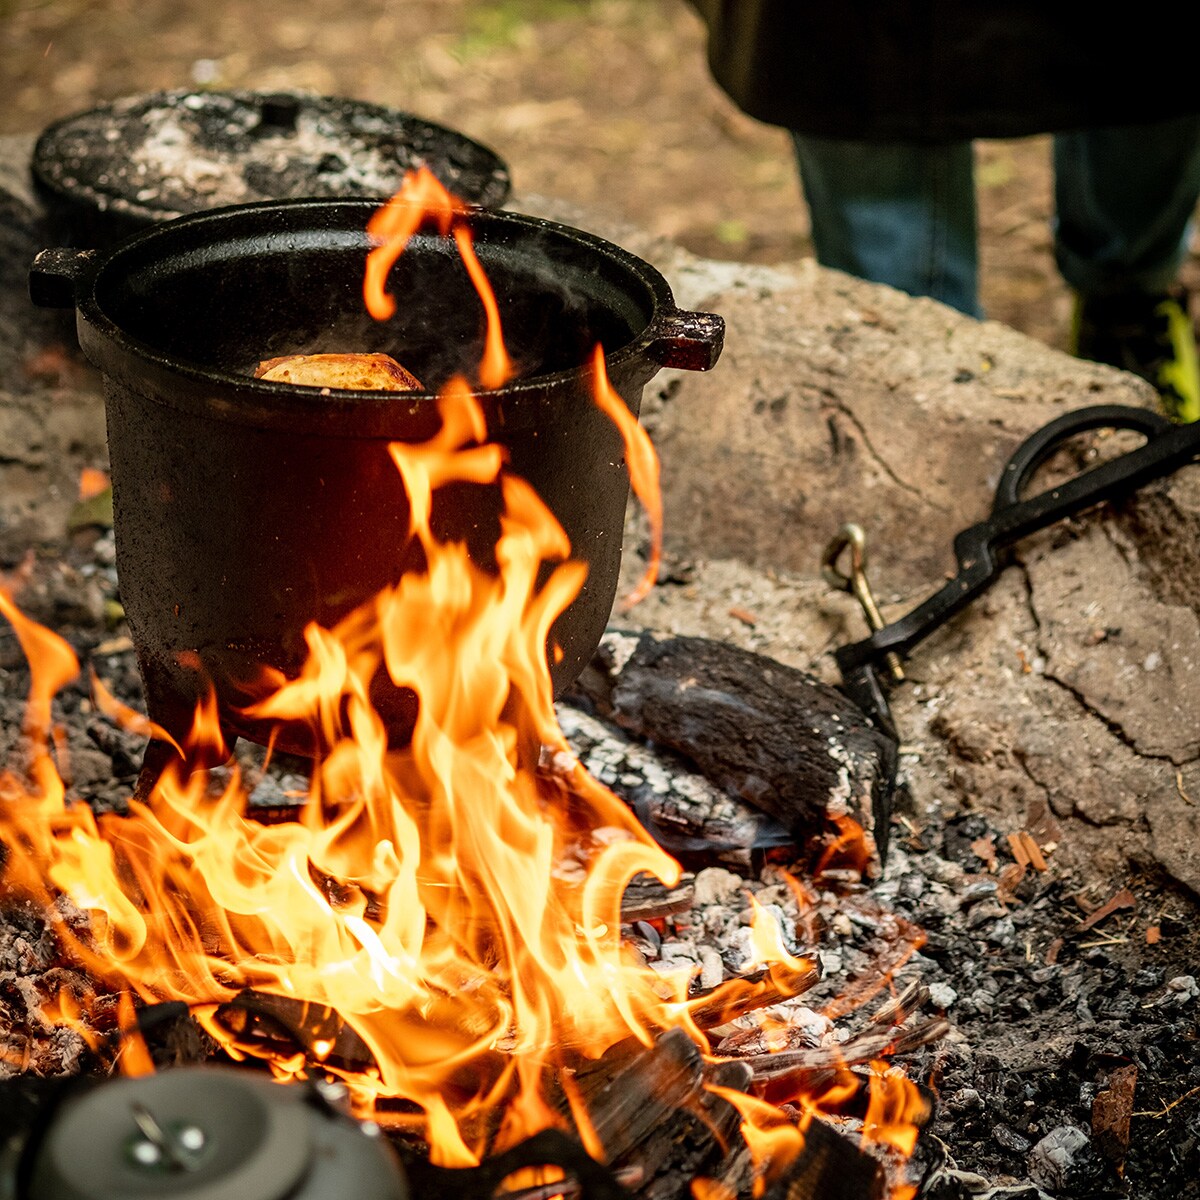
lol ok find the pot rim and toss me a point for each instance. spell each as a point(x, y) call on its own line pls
point(243, 399)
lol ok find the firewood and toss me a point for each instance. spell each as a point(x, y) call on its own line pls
point(652, 1112)
point(759, 990)
point(685, 813)
point(343, 372)
point(645, 899)
point(633, 1102)
point(767, 733)
point(694, 1139)
point(830, 1167)
point(787, 1065)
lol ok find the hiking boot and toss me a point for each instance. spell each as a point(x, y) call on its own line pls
point(1149, 334)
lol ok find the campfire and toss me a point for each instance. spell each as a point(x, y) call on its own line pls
point(446, 921)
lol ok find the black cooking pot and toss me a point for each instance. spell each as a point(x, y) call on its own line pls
point(243, 509)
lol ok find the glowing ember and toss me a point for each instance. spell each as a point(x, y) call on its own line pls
point(455, 904)
point(92, 483)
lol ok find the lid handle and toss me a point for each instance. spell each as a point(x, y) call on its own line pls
point(55, 275)
point(278, 112)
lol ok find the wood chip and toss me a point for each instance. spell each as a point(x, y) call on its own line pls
point(1111, 1111)
point(117, 645)
point(1123, 899)
point(1016, 843)
point(1153, 934)
point(984, 849)
point(1008, 881)
point(1052, 952)
point(1033, 850)
point(744, 615)
point(1183, 792)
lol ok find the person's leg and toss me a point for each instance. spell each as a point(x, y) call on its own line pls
point(1125, 200)
point(895, 213)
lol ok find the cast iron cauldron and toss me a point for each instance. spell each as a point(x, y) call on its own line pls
point(244, 509)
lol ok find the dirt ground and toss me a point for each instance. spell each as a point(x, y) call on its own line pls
point(607, 103)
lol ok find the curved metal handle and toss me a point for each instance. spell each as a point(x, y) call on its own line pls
point(55, 275)
point(1039, 446)
point(689, 341)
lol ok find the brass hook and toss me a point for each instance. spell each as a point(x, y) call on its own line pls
point(852, 537)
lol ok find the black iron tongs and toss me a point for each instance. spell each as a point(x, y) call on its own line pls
point(978, 549)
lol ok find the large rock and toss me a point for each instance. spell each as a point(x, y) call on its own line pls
point(837, 400)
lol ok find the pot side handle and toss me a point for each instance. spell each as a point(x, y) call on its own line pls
point(688, 341)
point(55, 274)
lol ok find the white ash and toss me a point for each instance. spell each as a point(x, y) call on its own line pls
point(1054, 1160)
point(659, 788)
point(181, 165)
point(942, 995)
point(841, 795)
point(715, 885)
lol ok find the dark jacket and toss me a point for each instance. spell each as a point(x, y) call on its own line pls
point(940, 70)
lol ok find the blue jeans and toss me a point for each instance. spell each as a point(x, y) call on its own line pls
point(904, 214)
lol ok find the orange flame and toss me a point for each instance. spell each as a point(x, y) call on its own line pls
point(91, 483)
point(422, 198)
point(643, 471)
point(449, 912)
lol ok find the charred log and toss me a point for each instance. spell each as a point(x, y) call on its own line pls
point(830, 1167)
point(766, 733)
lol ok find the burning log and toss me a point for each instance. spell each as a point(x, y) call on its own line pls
point(652, 1112)
point(830, 1167)
point(630, 1104)
point(766, 733)
point(776, 1071)
point(759, 990)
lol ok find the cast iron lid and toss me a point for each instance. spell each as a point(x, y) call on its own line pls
point(207, 1133)
point(153, 157)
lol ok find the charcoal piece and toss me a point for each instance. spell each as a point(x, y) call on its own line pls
point(1009, 1138)
point(830, 1167)
point(767, 733)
